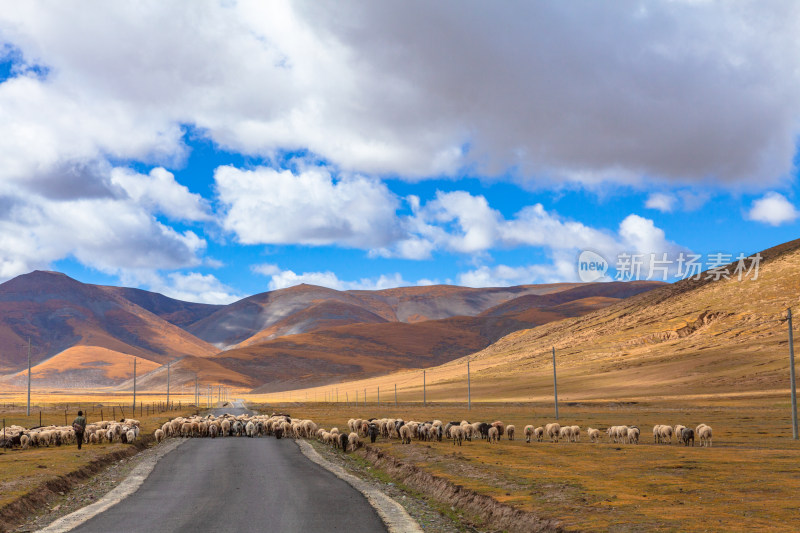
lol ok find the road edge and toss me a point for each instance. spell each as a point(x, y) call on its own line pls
point(393, 514)
point(126, 487)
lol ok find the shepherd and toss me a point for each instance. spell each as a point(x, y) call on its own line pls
point(79, 426)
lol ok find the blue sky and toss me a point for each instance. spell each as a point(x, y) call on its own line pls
point(353, 146)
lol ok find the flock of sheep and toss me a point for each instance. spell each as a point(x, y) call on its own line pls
point(280, 425)
point(228, 425)
point(125, 431)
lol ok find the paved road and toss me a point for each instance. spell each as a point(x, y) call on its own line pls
point(239, 484)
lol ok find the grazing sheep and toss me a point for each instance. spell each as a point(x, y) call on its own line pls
point(500, 427)
point(457, 433)
point(405, 434)
point(493, 435)
point(159, 434)
point(687, 434)
point(354, 442)
point(213, 429)
point(24, 441)
point(633, 435)
point(565, 433)
point(705, 435)
point(593, 434)
point(528, 433)
point(372, 432)
point(510, 431)
point(553, 431)
point(539, 432)
point(678, 431)
point(131, 436)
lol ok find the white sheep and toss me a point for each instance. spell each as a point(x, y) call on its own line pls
point(633, 435)
point(494, 434)
point(131, 435)
point(593, 434)
point(704, 433)
point(159, 435)
point(528, 433)
point(353, 442)
point(539, 432)
point(510, 430)
point(553, 431)
point(576, 433)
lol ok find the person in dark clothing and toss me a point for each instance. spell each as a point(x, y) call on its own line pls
point(79, 425)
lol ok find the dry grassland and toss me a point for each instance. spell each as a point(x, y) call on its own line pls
point(748, 480)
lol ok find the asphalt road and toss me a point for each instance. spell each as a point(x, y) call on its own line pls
point(239, 484)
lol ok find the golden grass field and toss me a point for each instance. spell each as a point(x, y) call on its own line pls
point(747, 480)
point(23, 471)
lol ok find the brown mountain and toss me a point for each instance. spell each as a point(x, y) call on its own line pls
point(177, 312)
point(272, 314)
point(59, 313)
point(693, 339)
point(330, 352)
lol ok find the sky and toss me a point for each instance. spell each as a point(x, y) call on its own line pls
point(213, 150)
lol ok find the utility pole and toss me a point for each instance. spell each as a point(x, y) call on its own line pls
point(469, 390)
point(379, 394)
point(424, 390)
point(791, 375)
point(555, 383)
point(168, 385)
point(29, 376)
point(134, 385)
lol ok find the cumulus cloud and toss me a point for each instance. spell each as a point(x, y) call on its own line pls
point(773, 209)
point(679, 90)
point(196, 287)
point(281, 279)
point(105, 234)
point(268, 206)
point(159, 191)
point(661, 201)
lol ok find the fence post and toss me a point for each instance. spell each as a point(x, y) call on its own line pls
point(791, 375)
point(555, 383)
point(469, 388)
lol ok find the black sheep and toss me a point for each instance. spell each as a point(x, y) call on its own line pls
point(343, 441)
point(278, 432)
point(687, 434)
point(372, 432)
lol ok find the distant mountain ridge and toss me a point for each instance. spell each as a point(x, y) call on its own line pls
point(87, 334)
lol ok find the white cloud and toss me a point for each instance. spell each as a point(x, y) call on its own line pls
point(196, 287)
point(106, 234)
point(281, 279)
point(267, 206)
point(160, 192)
point(375, 88)
point(773, 209)
point(186, 286)
point(661, 201)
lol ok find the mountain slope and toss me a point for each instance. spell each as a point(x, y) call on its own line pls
point(333, 352)
point(272, 314)
point(58, 313)
point(177, 312)
point(693, 337)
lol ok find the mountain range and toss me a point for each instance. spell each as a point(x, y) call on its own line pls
point(87, 336)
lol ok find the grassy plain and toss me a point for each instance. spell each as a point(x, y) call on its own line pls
point(24, 471)
point(747, 480)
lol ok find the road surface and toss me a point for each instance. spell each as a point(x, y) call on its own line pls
point(239, 484)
